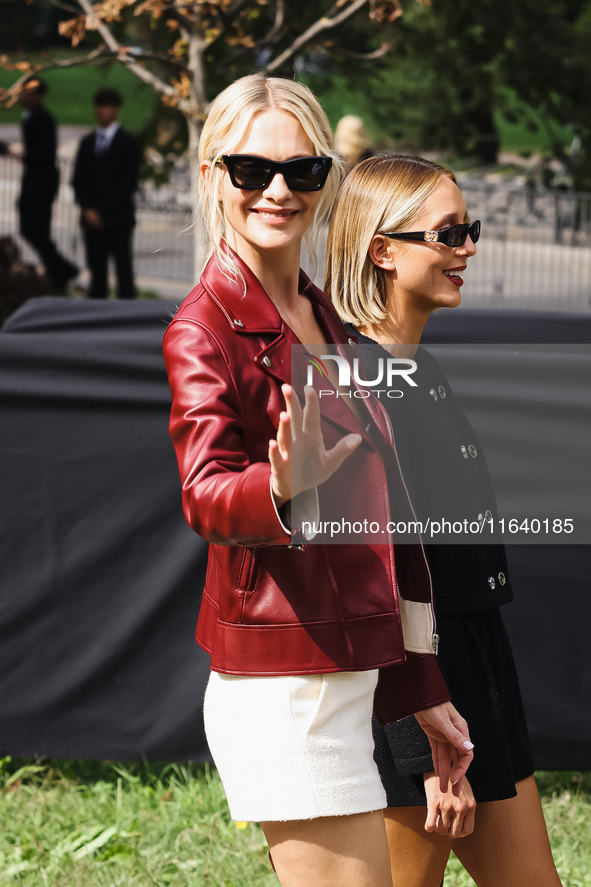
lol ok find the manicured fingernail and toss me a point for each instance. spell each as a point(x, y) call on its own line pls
point(468, 745)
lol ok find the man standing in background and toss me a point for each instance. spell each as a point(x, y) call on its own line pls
point(40, 182)
point(105, 178)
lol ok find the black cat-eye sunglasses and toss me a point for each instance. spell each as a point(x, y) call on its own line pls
point(253, 173)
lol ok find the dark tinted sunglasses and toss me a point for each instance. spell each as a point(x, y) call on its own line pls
point(454, 236)
point(252, 173)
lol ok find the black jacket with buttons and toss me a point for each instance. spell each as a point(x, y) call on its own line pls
point(445, 470)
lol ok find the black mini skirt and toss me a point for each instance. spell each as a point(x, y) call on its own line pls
point(477, 663)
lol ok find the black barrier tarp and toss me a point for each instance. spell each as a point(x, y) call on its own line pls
point(549, 617)
point(101, 578)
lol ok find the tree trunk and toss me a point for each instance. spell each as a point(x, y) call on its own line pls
point(199, 106)
point(198, 228)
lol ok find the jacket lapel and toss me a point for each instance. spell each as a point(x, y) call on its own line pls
point(250, 312)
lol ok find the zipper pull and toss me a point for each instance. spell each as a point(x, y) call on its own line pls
point(435, 643)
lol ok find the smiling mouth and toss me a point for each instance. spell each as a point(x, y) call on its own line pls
point(275, 214)
point(456, 275)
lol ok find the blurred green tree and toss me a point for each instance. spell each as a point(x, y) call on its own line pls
point(188, 50)
point(456, 66)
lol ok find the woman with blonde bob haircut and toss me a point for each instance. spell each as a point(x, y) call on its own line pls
point(388, 194)
point(399, 244)
point(298, 634)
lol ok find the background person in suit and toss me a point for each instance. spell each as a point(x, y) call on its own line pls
point(40, 182)
point(105, 178)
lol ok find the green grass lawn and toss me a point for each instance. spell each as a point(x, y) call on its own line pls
point(525, 134)
point(71, 823)
point(77, 823)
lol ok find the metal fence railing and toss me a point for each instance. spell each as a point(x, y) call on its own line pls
point(534, 252)
point(535, 248)
point(163, 240)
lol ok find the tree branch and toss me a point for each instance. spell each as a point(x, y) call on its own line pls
point(96, 57)
point(322, 24)
point(123, 56)
point(226, 17)
point(269, 38)
point(181, 17)
point(277, 25)
point(196, 49)
point(101, 56)
point(72, 9)
point(160, 57)
point(362, 56)
point(233, 11)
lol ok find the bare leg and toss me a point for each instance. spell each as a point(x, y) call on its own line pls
point(509, 846)
point(332, 851)
point(417, 858)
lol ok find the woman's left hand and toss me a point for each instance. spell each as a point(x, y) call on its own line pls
point(299, 460)
point(449, 814)
point(448, 736)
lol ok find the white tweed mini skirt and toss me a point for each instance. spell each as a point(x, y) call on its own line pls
point(294, 746)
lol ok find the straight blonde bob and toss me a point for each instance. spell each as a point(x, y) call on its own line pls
point(380, 194)
point(229, 121)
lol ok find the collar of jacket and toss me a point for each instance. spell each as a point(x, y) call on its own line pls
point(248, 308)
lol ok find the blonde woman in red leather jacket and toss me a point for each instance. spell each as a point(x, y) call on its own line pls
point(298, 633)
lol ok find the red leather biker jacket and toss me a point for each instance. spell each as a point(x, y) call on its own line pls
point(271, 606)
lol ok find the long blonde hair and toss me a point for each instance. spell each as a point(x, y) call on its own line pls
point(227, 125)
point(380, 194)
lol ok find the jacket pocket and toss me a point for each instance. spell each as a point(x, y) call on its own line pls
point(249, 567)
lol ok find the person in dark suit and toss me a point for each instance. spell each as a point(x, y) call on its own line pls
point(40, 182)
point(105, 178)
